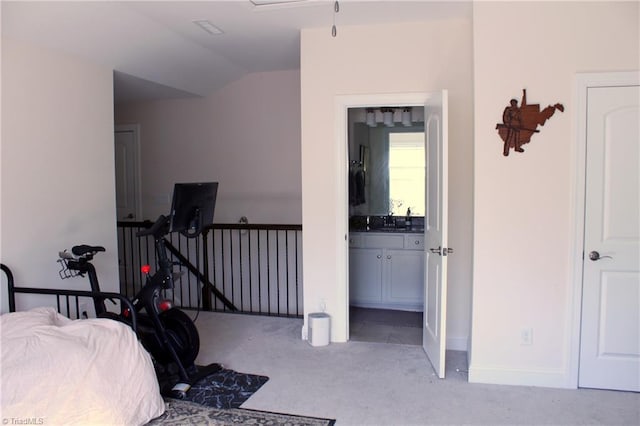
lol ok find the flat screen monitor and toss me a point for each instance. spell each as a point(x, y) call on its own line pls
point(192, 207)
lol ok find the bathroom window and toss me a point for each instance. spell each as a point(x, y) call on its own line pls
point(406, 173)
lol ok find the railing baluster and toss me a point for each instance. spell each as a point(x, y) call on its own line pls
point(268, 274)
point(223, 263)
point(231, 269)
point(204, 294)
point(250, 271)
point(278, 270)
point(286, 254)
point(298, 301)
point(240, 271)
point(213, 263)
point(259, 275)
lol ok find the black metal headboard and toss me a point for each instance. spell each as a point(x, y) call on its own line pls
point(65, 299)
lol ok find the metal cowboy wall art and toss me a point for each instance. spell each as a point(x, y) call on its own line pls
point(519, 123)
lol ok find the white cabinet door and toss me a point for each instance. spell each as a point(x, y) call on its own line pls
point(405, 270)
point(386, 271)
point(365, 275)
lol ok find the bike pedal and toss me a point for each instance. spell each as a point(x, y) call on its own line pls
point(179, 390)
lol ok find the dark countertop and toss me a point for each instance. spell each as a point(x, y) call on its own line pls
point(387, 224)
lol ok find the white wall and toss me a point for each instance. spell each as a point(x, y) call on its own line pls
point(416, 57)
point(245, 136)
point(523, 202)
point(57, 185)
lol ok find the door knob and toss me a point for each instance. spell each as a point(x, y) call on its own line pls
point(594, 255)
point(129, 216)
point(436, 250)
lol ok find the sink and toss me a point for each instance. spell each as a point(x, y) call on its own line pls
point(378, 224)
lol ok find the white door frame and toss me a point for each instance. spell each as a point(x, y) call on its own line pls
point(135, 129)
point(583, 81)
point(343, 103)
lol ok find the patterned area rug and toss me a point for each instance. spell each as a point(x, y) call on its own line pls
point(188, 413)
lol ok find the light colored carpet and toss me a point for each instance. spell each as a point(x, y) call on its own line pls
point(363, 383)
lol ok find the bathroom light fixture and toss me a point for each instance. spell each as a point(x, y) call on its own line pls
point(387, 116)
point(406, 116)
point(208, 27)
point(371, 117)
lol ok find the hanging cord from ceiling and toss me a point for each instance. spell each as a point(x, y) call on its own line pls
point(336, 9)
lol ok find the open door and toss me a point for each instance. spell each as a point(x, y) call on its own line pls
point(127, 180)
point(437, 249)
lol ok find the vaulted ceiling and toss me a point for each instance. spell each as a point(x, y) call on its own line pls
point(157, 49)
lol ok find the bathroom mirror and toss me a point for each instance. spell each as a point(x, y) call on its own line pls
point(386, 161)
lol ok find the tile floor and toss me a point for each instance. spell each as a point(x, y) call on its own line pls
point(385, 326)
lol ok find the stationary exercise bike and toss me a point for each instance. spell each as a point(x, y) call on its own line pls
point(167, 333)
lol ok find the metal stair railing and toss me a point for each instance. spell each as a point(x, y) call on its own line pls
point(244, 268)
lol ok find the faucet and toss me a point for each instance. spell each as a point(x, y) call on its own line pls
point(389, 222)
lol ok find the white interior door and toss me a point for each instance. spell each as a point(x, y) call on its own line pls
point(435, 294)
point(127, 187)
point(610, 326)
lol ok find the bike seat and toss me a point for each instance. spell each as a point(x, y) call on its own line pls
point(83, 249)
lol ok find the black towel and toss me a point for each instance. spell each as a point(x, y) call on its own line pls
point(359, 184)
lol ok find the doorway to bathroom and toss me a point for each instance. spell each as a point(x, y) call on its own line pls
point(424, 253)
point(386, 209)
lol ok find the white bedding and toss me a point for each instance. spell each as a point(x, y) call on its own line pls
point(59, 371)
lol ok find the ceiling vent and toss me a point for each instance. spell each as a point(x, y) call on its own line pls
point(208, 27)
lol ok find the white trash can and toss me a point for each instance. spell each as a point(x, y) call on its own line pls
point(319, 329)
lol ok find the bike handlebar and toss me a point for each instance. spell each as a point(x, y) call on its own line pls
point(158, 229)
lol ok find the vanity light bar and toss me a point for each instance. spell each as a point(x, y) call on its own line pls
point(390, 116)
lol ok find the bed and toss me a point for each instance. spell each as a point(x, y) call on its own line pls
point(55, 370)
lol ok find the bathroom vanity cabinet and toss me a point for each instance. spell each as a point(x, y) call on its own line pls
point(386, 270)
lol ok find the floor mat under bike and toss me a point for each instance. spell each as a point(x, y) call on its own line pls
point(225, 388)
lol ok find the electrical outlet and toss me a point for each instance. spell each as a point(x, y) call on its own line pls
point(526, 336)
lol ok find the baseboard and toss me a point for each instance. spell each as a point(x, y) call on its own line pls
point(519, 377)
point(457, 343)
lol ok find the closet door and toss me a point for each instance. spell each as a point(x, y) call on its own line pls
point(610, 335)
